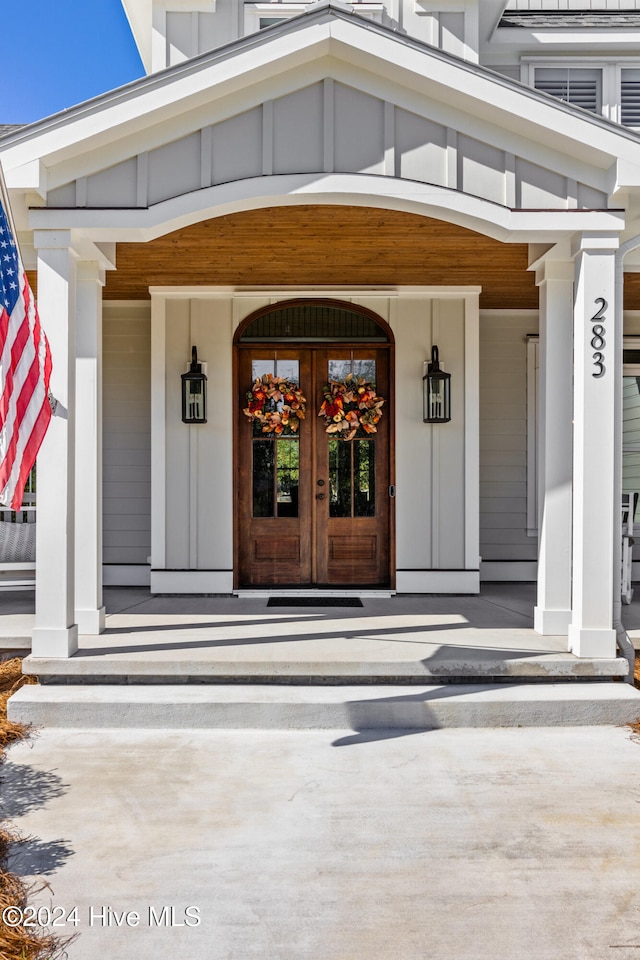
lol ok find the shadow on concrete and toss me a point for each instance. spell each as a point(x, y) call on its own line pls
point(377, 719)
point(386, 718)
point(23, 789)
point(377, 632)
point(32, 857)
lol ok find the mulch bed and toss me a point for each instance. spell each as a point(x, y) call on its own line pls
point(18, 942)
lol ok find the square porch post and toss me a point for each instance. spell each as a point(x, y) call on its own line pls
point(552, 614)
point(596, 368)
point(55, 633)
point(89, 610)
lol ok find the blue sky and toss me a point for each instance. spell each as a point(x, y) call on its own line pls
point(57, 53)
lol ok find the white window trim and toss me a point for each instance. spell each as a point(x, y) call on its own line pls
point(254, 12)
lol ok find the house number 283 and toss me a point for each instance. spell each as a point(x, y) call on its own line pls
point(597, 340)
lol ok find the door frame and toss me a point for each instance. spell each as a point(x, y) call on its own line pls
point(238, 417)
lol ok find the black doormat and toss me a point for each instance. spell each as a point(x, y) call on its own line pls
point(314, 602)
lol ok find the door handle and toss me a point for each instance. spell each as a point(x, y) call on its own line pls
point(319, 496)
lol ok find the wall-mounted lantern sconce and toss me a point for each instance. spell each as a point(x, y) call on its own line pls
point(436, 392)
point(194, 392)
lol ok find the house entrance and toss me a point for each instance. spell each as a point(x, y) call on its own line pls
point(313, 493)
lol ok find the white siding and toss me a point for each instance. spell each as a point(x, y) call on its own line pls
point(631, 440)
point(333, 126)
point(503, 436)
point(430, 468)
point(126, 433)
point(199, 463)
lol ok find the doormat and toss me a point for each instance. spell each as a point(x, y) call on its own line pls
point(314, 602)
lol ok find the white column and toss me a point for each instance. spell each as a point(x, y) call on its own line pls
point(158, 433)
point(595, 369)
point(552, 613)
point(55, 633)
point(89, 611)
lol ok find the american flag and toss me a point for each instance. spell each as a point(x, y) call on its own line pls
point(25, 369)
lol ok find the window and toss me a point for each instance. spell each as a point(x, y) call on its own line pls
point(630, 98)
point(259, 16)
point(581, 87)
point(609, 87)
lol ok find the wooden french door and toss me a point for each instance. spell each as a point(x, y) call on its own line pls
point(313, 510)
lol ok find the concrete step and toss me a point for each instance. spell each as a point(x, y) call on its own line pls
point(357, 707)
point(219, 665)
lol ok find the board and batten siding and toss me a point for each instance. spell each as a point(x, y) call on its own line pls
point(503, 435)
point(126, 432)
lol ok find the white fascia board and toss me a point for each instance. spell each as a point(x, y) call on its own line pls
point(625, 175)
point(29, 176)
point(195, 291)
point(539, 226)
point(491, 219)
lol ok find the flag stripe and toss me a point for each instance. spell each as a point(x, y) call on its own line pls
point(25, 371)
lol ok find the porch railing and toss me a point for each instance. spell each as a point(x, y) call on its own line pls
point(18, 537)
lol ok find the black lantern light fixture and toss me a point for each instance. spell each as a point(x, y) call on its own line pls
point(194, 392)
point(436, 392)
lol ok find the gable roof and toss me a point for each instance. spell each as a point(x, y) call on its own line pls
point(496, 128)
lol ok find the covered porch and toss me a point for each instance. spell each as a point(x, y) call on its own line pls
point(485, 191)
point(394, 638)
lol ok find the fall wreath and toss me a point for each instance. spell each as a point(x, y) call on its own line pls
point(278, 405)
point(349, 405)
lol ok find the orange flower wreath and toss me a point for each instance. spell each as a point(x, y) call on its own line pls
point(278, 405)
point(350, 404)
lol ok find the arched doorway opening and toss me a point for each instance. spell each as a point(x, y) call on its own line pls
point(313, 508)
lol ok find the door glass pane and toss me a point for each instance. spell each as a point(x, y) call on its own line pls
point(339, 369)
point(263, 477)
point(288, 464)
point(364, 478)
point(340, 458)
point(289, 369)
point(260, 368)
point(365, 369)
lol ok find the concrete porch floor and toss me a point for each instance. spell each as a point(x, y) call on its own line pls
point(403, 637)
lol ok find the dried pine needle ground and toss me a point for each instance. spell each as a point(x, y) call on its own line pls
point(18, 943)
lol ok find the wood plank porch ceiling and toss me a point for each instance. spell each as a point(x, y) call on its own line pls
point(331, 245)
point(326, 245)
